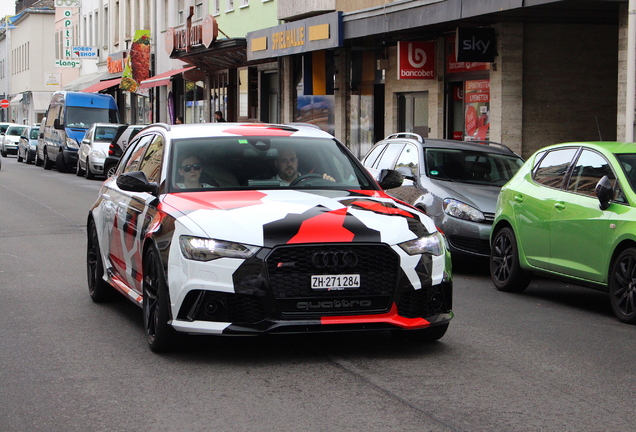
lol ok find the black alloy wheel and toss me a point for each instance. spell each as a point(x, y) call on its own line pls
point(622, 286)
point(505, 271)
point(99, 290)
point(160, 335)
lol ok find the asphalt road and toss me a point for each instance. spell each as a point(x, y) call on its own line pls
point(551, 359)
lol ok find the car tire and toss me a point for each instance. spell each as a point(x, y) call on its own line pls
point(430, 334)
point(160, 335)
point(20, 158)
point(78, 170)
point(505, 271)
point(47, 163)
point(99, 290)
point(3, 152)
point(38, 161)
point(87, 172)
point(28, 160)
point(622, 289)
point(60, 164)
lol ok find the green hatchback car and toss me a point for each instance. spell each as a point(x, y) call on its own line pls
point(570, 212)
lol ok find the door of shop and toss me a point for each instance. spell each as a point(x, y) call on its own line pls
point(413, 113)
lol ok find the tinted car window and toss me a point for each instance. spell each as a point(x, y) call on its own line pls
point(628, 163)
point(34, 133)
point(553, 167)
point(136, 154)
point(590, 167)
point(409, 158)
point(387, 160)
point(151, 162)
point(469, 166)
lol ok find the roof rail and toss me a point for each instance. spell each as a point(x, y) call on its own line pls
point(405, 135)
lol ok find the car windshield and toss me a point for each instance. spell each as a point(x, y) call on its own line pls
point(34, 133)
point(83, 117)
point(263, 163)
point(16, 130)
point(468, 166)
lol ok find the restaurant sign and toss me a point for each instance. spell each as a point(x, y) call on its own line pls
point(203, 35)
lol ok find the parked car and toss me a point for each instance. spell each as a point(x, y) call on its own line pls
point(11, 138)
point(68, 117)
point(244, 252)
point(125, 134)
point(570, 212)
point(28, 144)
point(456, 183)
point(94, 148)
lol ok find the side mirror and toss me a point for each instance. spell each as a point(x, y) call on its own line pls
point(406, 172)
point(390, 179)
point(41, 134)
point(136, 181)
point(604, 192)
point(57, 125)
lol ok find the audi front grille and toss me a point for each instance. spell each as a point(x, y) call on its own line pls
point(290, 269)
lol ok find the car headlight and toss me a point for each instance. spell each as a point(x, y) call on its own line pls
point(462, 211)
point(97, 154)
point(434, 244)
point(205, 249)
point(71, 143)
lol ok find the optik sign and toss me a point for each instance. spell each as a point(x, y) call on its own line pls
point(416, 60)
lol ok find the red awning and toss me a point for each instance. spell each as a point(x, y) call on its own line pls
point(102, 85)
point(162, 78)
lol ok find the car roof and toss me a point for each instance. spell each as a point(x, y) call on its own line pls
point(610, 146)
point(242, 129)
point(483, 146)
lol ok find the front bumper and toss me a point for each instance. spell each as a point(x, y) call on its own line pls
point(272, 294)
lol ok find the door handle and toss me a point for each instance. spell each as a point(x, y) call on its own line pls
point(560, 205)
point(519, 198)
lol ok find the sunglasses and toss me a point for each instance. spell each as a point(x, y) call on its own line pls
point(187, 168)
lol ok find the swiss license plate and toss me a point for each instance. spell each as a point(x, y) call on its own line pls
point(335, 282)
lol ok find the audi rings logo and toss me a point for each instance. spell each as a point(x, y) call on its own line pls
point(334, 259)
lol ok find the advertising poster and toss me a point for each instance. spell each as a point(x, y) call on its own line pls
point(477, 107)
point(137, 67)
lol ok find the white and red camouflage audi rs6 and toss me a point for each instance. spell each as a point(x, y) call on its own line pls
point(232, 229)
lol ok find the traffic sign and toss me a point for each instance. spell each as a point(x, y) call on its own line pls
point(4, 103)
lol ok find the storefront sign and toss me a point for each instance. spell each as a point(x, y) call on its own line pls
point(476, 45)
point(203, 35)
point(454, 66)
point(84, 52)
point(311, 34)
point(416, 60)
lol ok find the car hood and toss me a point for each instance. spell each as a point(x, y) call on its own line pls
point(76, 134)
point(482, 197)
point(269, 218)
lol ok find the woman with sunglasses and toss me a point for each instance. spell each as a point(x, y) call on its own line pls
point(190, 169)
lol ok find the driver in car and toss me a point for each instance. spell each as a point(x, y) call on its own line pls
point(287, 167)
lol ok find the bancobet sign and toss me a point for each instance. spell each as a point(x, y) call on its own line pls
point(193, 35)
point(416, 60)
